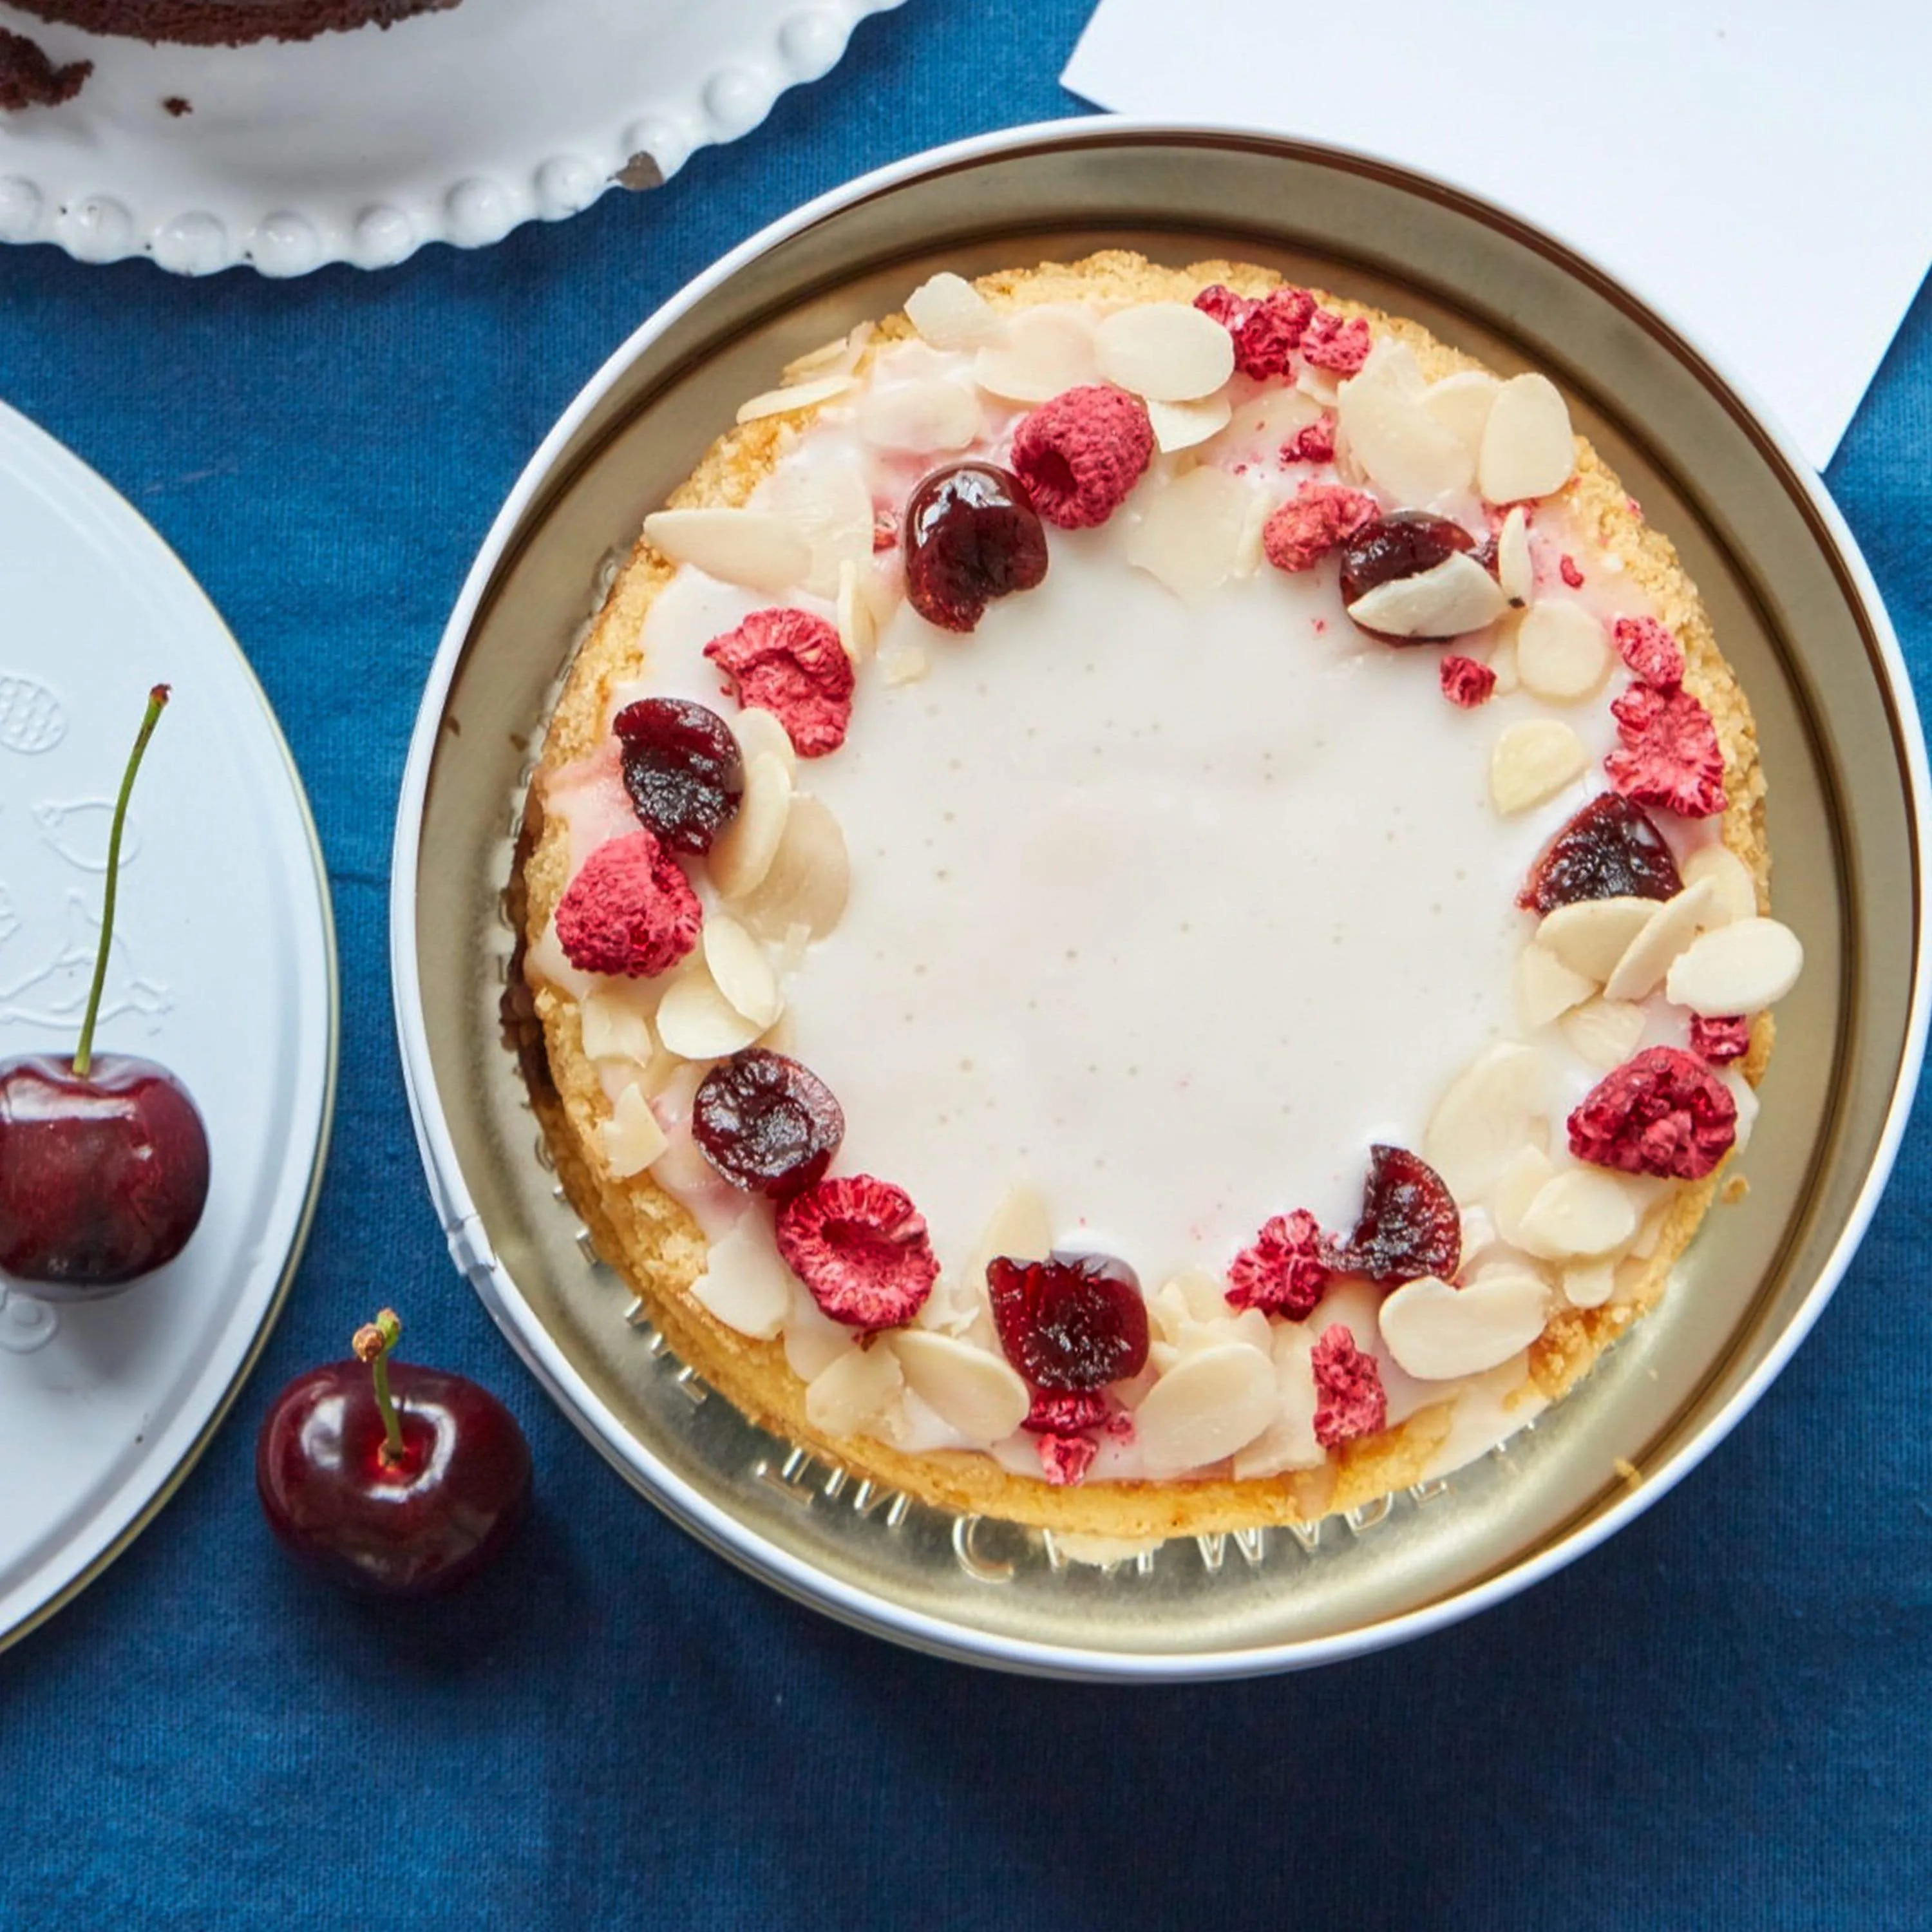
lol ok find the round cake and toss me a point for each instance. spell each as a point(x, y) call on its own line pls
point(1145, 910)
point(230, 23)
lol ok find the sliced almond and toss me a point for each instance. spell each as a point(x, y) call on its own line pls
point(1020, 1229)
point(1288, 1442)
point(1589, 1284)
point(855, 1392)
point(1036, 355)
point(1249, 552)
point(918, 418)
point(631, 1137)
point(1523, 1178)
point(744, 850)
point(1455, 596)
point(1603, 1032)
point(1403, 450)
point(1437, 1333)
point(1529, 449)
point(813, 1341)
point(1546, 988)
point(760, 735)
point(950, 313)
point(1533, 760)
point(1206, 1406)
point(745, 1284)
point(1561, 653)
point(794, 396)
point(1745, 1095)
point(1670, 929)
point(757, 548)
point(808, 881)
point(1462, 402)
point(1491, 1108)
point(613, 1029)
point(1183, 425)
point(838, 357)
point(906, 664)
point(696, 1021)
point(1189, 536)
point(1168, 352)
point(1591, 936)
point(1737, 891)
point(829, 504)
point(1502, 662)
point(1580, 1213)
point(1739, 968)
point(741, 972)
point(976, 1392)
point(858, 630)
point(1516, 568)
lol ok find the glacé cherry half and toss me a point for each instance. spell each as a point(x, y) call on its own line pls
point(391, 1479)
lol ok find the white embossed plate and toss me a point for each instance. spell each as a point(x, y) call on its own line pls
point(223, 968)
point(360, 147)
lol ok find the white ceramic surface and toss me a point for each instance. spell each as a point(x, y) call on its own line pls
point(360, 147)
point(104, 1406)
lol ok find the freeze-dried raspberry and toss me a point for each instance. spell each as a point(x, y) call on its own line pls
point(1318, 518)
point(629, 911)
point(1330, 342)
point(1079, 455)
point(1670, 755)
point(1349, 1398)
point(1067, 1413)
point(791, 664)
point(1650, 651)
point(1664, 1113)
point(1266, 336)
point(1220, 302)
point(1284, 1272)
point(1065, 1459)
point(1718, 1041)
point(1566, 568)
point(861, 1247)
point(1466, 682)
point(1313, 442)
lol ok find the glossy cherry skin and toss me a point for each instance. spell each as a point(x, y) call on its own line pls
point(103, 1177)
point(419, 1527)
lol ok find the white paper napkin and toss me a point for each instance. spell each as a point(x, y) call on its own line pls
point(1761, 170)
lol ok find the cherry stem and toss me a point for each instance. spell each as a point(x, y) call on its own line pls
point(372, 1345)
point(83, 1053)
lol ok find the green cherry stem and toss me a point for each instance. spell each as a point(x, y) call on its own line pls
point(372, 1345)
point(83, 1053)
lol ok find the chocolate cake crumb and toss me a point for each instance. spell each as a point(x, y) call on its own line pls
point(178, 104)
point(223, 23)
point(29, 78)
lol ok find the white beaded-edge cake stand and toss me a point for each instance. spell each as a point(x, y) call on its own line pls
point(453, 126)
point(105, 1405)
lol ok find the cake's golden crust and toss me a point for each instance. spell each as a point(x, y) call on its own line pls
point(650, 1240)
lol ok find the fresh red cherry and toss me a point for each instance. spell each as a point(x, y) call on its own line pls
point(395, 1481)
point(104, 1158)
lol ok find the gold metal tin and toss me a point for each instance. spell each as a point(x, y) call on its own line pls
point(1797, 615)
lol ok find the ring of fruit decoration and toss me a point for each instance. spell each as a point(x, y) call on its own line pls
point(1144, 910)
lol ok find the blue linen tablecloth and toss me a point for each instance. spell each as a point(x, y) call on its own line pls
point(1720, 1719)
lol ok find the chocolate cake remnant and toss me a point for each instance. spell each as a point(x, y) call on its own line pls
point(178, 104)
point(227, 23)
point(29, 78)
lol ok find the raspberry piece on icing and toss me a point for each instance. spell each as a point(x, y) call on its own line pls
point(630, 911)
point(1065, 1459)
point(1670, 755)
point(861, 1247)
point(1466, 682)
point(1318, 518)
point(1349, 1398)
point(1313, 442)
point(1650, 650)
point(1330, 342)
point(1664, 1113)
point(1220, 302)
point(1567, 568)
point(1718, 1041)
point(1268, 334)
point(1284, 1272)
point(791, 664)
point(1072, 1413)
point(1079, 455)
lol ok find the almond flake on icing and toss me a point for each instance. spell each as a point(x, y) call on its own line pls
point(1546, 988)
point(796, 396)
point(1603, 1032)
point(931, 415)
point(1402, 449)
point(1183, 425)
point(1591, 936)
point(1532, 760)
point(1667, 932)
point(741, 972)
point(1449, 599)
point(1494, 1107)
point(1036, 355)
point(950, 313)
point(1561, 653)
point(613, 1029)
point(838, 357)
point(1516, 567)
point(969, 1388)
point(828, 505)
point(1579, 1213)
point(760, 734)
point(1190, 534)
point(757, 548)
point(1020, 1229)
point(858, 631)
point(745, 1284)
point(696, 1021)
point(1165, 352)
point(745, 850)
point(1521, 1179)
point(1528, 448)
point(1737, 891)
point(906, 664)
point(1741, 967)
point(855, 1392)
point(1589, 1284)
point(631, 1137)
point(1288, 1441)
point(807, 880)
point(1209, 1405)
point(1437, 1333)
point(1462, 402)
